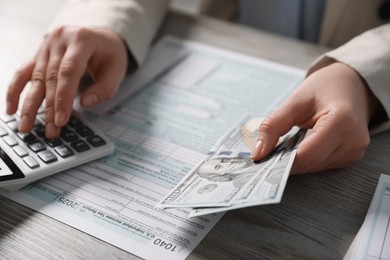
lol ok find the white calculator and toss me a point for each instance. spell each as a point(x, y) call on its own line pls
point(27, 157)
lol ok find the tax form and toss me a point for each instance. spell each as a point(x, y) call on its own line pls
point(373, 239)
point(161, 131)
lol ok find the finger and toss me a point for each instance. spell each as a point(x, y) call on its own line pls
point(319, 145)
point(336, 160)
point(280, 122)
point(18, 82)
point(36, 92)
point(106, 84)
point(72, 68)
point(349, 148)
point(56, 54)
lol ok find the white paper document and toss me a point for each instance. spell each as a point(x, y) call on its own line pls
point(161, 131)
point(373, 239)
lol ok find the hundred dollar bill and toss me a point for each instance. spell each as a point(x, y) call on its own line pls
point(220, 176)
point(269, 191)
point(224, 174)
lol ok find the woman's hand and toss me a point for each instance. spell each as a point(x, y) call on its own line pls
point(337, 105)
point(64, 57)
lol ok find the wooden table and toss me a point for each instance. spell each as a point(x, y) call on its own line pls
point(318, 218)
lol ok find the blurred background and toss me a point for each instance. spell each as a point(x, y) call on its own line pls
point(299, 19)
point(326, 22)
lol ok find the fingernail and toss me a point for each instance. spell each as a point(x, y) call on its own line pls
point(258, 148)
point(24, 123)
point(90, 100)
point(60, 118)
point(50, 130)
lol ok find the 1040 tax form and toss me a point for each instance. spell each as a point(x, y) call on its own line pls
point(163, 121)
point(373, 240)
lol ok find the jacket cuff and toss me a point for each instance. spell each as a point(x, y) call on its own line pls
point(135, 21)
point(369, 55)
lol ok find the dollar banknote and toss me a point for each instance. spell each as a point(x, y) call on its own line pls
point(228, 177)
point(269, 191)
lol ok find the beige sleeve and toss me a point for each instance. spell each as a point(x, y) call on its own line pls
point(369, 55)
point(136, 21)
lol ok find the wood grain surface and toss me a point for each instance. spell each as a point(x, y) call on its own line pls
point(318, 217)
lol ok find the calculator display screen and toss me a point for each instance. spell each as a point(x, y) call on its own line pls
point(8, 169)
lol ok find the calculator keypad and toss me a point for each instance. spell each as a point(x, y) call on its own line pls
point(33, 148)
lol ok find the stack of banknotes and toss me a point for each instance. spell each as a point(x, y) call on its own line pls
point(229, 179)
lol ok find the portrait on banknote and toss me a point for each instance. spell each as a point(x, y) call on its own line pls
point(225, 169)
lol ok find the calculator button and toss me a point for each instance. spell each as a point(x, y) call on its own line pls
point(84, 131)
point(39, 129)
point(96, 141)
point(74, 122)
point(13, 125)
point(10, 140)
point(20, 151)
point(7, 118)
point(80, 146)
point(64, 150)
point(3, 132)
point(68, 135)
point(37, 146)
point(31, 162)
point(53, 142)
point(47, 156)
point(26, 137)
